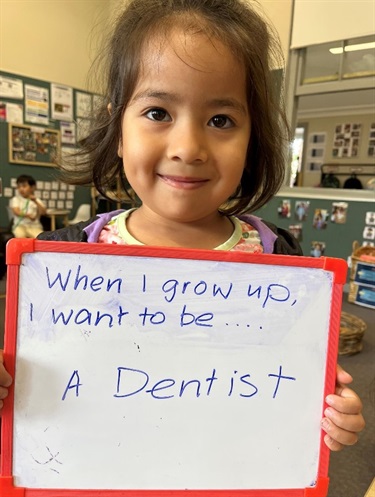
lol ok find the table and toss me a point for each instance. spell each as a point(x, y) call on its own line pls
point(54, 213)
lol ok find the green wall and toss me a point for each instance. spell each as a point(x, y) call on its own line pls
point(338, 238)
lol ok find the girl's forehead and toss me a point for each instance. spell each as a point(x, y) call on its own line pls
point(193, 47)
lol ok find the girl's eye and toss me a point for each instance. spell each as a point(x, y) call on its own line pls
point(221, 121)
point(158, 115)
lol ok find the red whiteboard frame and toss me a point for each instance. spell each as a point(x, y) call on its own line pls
point(15, 251)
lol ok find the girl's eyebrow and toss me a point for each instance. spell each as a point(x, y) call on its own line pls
point(174, 98)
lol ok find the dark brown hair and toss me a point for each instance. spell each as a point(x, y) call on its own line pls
point(236, 24)
point(25, 178)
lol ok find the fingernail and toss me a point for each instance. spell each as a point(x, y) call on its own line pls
point(324, 423)
point(329, 400)
point(328, 412)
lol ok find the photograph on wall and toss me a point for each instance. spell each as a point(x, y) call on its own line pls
point(301, 210)
point(283, 209)
point(36, 104)
point(61, 102)
point(320, 219)
point(369, 233)
point(339, 212)
point(346, 140)
point(296, 230)
point(316, 150)
point(370, 218)
point(313, 165)
point(317, 249)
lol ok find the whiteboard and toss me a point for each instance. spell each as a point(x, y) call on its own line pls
point(154, 369)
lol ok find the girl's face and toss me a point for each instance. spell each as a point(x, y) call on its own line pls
point(186, 129)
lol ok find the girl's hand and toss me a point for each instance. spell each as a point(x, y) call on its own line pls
point(5, 381)
point(343, 418)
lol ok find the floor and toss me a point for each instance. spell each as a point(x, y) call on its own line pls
point(353, 469)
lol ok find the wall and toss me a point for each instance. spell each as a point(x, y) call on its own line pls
point(319, 22)
point(338, 238)
point(57, 40)
point(279, 13)
point(327, 124)
point(51, 40)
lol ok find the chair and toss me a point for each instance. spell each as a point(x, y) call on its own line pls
point(10, 214)
point(83, 214)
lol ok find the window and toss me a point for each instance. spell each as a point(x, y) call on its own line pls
point(334, 61)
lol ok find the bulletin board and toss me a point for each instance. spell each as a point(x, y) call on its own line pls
point(154, 372)
point(33, 145)
point(33, 104)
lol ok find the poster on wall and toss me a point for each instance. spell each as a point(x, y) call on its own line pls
point(11, 113)
point(68, 133)
point(371, 142)
point(11, 87)
point(62, 102)
point(346, 140)
point(97, 101)
point(83, 128)
point(36, 104)
point(83, 104)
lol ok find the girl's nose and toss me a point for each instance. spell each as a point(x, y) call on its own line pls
point(188, 143)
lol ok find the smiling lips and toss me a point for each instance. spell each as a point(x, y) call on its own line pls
point(183, 182)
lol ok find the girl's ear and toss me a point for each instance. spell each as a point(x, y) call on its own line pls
point(119, 149)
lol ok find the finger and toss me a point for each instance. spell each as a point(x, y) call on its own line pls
point(348, 422)
point(332, 444)
point(5, 378)
point(3, 393)
point(345, 400)
point(337, 434)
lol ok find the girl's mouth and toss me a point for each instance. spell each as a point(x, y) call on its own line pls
point(183, 182)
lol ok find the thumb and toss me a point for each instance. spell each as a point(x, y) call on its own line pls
point(342, 377)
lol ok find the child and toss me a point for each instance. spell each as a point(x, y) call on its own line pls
point(192, 122)
point(27, 209)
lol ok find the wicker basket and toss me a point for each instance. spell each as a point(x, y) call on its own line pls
point(352, 330)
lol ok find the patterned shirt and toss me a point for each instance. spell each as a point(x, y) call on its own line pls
point(244, 238)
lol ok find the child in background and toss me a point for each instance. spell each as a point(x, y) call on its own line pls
point(27, 209)
point(192, 121)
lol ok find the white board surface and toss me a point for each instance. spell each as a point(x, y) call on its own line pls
point(136, 372)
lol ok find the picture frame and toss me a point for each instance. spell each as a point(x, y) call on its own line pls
point(33, 145)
